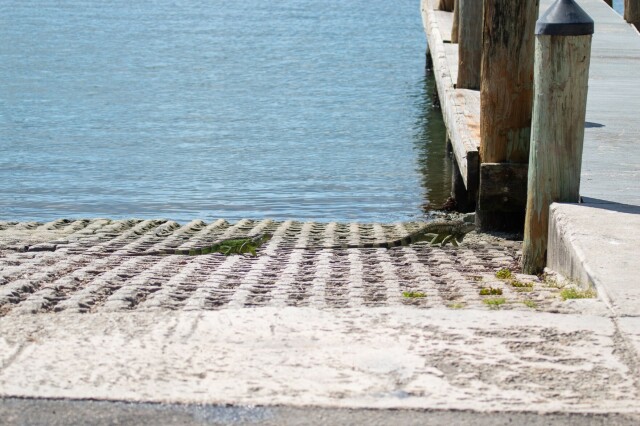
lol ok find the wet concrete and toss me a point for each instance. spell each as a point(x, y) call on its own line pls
point(36, 412)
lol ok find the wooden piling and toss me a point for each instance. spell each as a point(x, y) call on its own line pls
point(455, 28)
point(506, 91)
point(562, 56)
point(470, 43)
point(507, 80)
point(632, 12)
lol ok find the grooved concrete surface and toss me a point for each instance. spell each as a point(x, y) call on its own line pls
point(298, 325)
point(90, 268)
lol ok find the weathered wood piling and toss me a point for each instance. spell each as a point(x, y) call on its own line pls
point(506, 93)
point(455, 29)
point(632, 12)
point(469, 13)
point(562, 57)
point(521, 166)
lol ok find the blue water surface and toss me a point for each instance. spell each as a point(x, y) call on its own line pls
point(618, 6)
point(192, 108)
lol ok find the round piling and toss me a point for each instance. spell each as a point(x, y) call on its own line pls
point(506, 93)
point(455, 28)
point(469, 13)
point(561, 74)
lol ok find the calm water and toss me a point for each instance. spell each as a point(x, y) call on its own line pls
point(618, 5)
point(204, 109)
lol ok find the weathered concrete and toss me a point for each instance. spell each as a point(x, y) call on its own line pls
point(630, 328)
point(370, 357)
point(85, 313)
point(597, 244)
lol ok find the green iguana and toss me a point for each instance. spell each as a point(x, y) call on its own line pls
point(226, 247)
point(439, 231)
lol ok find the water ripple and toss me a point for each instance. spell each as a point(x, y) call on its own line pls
point(183, 109)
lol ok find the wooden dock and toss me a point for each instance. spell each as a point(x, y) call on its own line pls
point(610, 160)
point(610, 174)
point(460, 107)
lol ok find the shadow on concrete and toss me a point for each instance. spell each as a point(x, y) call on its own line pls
point(610, 205)
point(53, 412)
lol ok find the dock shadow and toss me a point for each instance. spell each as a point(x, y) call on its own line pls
point(433, 163)
point(597, 203)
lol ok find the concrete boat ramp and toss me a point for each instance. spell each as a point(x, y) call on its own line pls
point(299, 334)
point(94, 328)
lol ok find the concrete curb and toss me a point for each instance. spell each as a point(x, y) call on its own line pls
point(596, 244)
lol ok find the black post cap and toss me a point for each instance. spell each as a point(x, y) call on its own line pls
point(565, 18)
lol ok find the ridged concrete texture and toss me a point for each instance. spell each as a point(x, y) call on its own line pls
point(300, 324)
point(85, 266)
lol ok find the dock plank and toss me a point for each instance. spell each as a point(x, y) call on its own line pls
point(461, 119)
point(445, 23)
point(451, 50)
